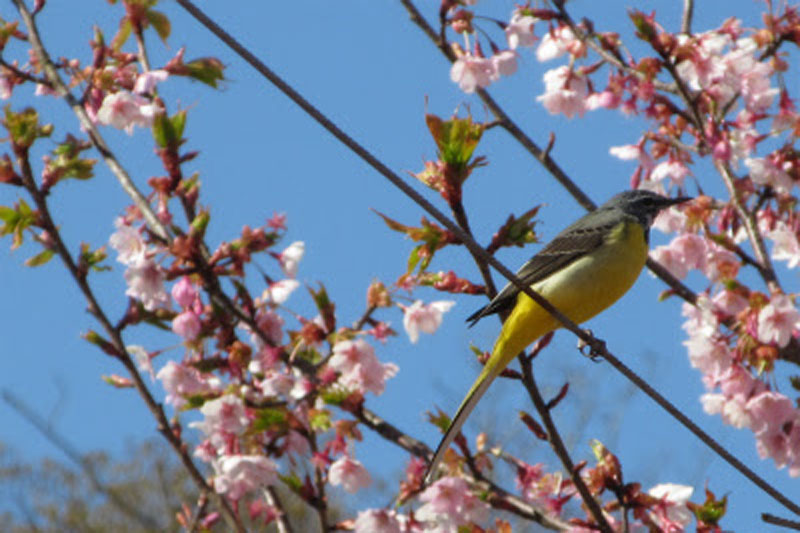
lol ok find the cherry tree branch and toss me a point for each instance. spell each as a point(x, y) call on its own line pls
point(51, 73)
point(541, 155)
point(115, 337)
point(554, 438)
point(597, 346)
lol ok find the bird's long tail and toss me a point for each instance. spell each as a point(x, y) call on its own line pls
point(474, 394)
point(526, 323)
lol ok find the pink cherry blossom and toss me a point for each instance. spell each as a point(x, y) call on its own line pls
point(426, 318)
point(377, 521)
point(786, 246)
point(701, 319)
point(187, 325)
point(504, 63)
point(236, 475)
point(44, 90)
point(5, 88)
point(184, 292)
point(143, 360)
point(556, 43)
point(145, 281)
point(729, 302)
point(605, 99)
point(180, 381)
point(772, 411)
point(147, 81)
point(670, 220)
point(519, 31)
point(359, 367)
point(671, 514)
point(674, 170)
point(708, 354)
point(350, 474)
point(776, 423)
point(128, 243)
point(765, 172)
point(630, 152)
point(271, 325)
point(124, 110)
point(778, 320)
point(720, 263)
point(291, 256)
point(565, 92)
point(277, 293)
point(471, 72)
point(670, 259)
point(296, 444)
point(224, 415)
point(264, 360)
point(733, 409)
point(276, 384)
point(449, 505)
point(684, 253)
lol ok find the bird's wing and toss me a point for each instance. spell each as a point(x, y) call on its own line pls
point(575, 241)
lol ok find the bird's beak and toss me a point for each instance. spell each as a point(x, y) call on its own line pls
point(668, 202)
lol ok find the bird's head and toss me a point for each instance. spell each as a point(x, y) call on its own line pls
point(642, 204)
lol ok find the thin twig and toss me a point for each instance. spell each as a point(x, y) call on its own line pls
point(502, 498)
point(597, 345)
point(51, 73)
point(281, 520)
point(554, 438)
point(751, 227)
point(778, 521)
point(589, 39)
point(114, 335)
point(704, 437)
point(686, 19)
point(543, 156)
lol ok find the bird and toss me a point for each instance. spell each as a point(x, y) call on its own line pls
point(582, 271)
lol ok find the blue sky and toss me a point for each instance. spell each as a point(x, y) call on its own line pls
point(375, 75)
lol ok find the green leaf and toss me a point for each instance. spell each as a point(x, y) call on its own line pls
point(292, 481)
point(123, 34)
point(168, 131)
point(456, 138)
point(270, 419)
point(160, 23)
point(206, 69)
point(41, 258)
point(8, 215)
point(320, 419)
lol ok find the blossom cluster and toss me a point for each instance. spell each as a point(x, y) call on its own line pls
point(707, 94)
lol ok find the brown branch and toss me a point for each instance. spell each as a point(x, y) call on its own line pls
point(554, 438)
point(686, 18)
point(543, 156)
point(704, 437)
point(51, 73)
point(498, 496)
point(596, 345)
point(115, 336)
point(282, 521)
point(778, 521)
point(590, 39)
point(751, 227)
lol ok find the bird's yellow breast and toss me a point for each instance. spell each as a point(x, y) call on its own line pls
point(580, 290)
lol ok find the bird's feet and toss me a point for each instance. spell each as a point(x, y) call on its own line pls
point(596, 347)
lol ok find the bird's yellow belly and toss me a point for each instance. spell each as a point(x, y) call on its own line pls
point(581, 290)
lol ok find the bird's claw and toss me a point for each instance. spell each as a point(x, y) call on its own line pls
point(596, 347)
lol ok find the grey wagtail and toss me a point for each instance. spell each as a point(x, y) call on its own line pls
point(585, 269)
